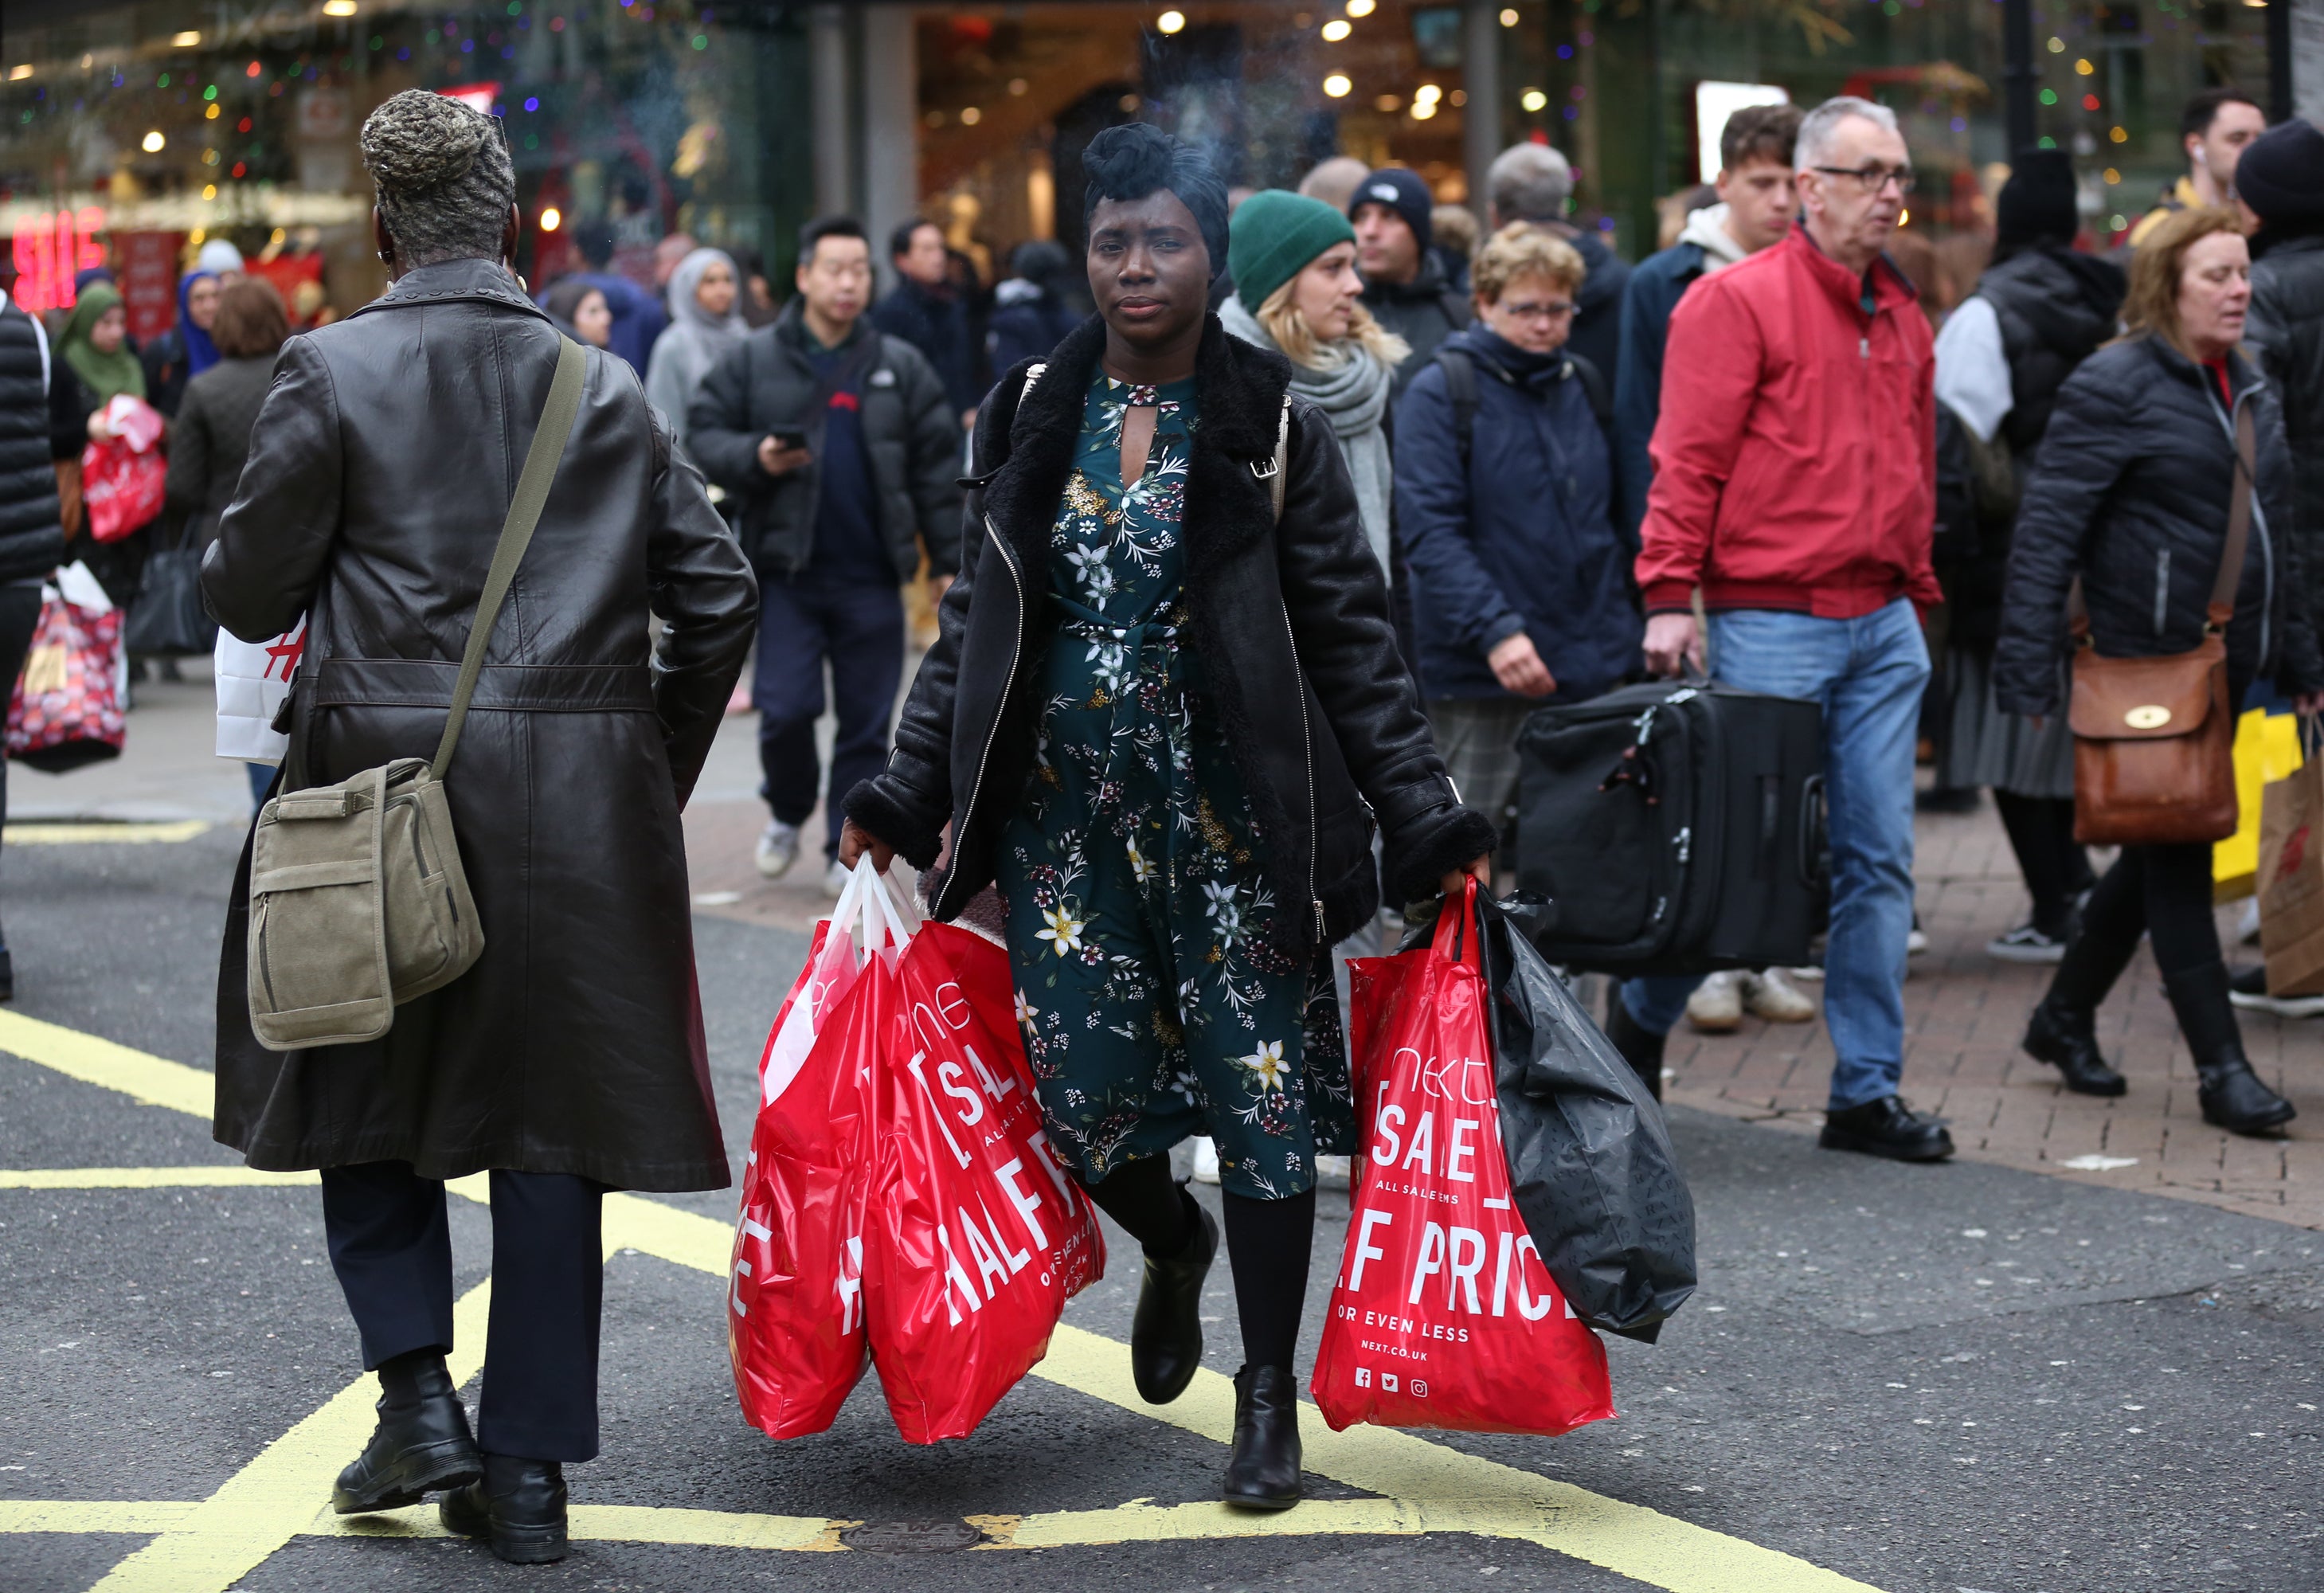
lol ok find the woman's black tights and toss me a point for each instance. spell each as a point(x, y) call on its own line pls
point(1267, 1244)
point(2056, 869)
point(2163, 891)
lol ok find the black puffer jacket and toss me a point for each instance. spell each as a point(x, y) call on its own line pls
point(1291, 620)
point(2130, 491)
point(2054, 307)
point(31, 537)
point(2286, 329)
point(910, 431)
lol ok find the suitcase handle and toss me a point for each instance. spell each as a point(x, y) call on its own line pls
point(1811, 830)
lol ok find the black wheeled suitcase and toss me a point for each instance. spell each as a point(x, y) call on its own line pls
point(1676, 827)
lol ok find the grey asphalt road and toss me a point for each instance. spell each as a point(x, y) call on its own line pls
point(1928, 1379)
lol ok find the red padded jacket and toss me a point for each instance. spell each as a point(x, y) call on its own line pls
point(1795, 457)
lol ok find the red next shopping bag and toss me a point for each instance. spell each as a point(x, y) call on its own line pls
point(795, 1325)
point(976, 1239)
point(66, 709)
point(1443, 1315)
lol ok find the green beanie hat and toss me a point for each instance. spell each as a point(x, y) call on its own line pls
point(1272, 237)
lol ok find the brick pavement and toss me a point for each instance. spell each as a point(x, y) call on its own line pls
point(1964, 1013)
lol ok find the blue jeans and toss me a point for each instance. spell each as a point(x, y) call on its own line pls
point(1867, 674)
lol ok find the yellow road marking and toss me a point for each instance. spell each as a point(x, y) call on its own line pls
point(92, 1061)
point(33, 832)
point(92, 1515)
point(272, 1500)
point(225, 1177)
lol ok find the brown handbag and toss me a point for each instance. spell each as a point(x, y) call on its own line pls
point(2154, 737)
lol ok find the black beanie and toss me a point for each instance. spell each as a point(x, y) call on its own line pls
point(2281, 174)
point(2037, 203)
point(1401, 191)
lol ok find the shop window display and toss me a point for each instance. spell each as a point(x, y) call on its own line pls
point(131, 135)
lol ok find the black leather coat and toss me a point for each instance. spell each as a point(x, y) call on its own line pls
point(2286, 330)
point(1291, 620)
point(2130, 491)
point(379, 472)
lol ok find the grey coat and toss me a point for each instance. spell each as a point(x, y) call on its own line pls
point(210, 439)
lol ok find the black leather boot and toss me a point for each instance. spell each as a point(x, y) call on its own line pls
point(1166, 1337)
point(1641, 1049)
point(2067, 1039)
point(520, 1506)
point(2231, 1094)
point(1263, 1469)
point(420, 1445)
point(1888, 1127)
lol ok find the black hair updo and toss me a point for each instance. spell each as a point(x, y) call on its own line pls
point(1131, 161)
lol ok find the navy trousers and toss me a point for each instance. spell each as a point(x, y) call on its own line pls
point(393, 1251)
point(860, 629)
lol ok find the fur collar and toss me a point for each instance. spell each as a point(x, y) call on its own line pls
point(1238, 389)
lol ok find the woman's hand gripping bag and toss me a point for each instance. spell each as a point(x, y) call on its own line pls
point(1443, 1314)
point(977, 1237)
point(795, 1301)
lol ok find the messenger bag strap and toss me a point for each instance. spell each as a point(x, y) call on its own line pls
point(2222, 606)
point(2239, 518)
point(557, 417)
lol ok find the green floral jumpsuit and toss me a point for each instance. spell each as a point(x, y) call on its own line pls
point(1154, 1004)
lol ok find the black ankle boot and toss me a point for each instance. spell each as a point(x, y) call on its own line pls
point(520, 1506)
point(1166, 1337)
point(2068, 1040)
point(421, 1444)
point(1263, 1469)
point(1641, 1049)
point(2231, 1094)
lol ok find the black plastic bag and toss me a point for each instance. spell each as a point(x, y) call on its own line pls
point(1590, 1163)
point(167, 619)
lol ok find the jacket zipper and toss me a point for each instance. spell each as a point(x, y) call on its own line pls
point(1307, 747)
point(1016, 651)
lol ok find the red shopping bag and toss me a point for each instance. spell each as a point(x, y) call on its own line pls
point(794, 1328)
point(122, 480)
point(1443, 1315)
point(977, 1237)
point(66, 710)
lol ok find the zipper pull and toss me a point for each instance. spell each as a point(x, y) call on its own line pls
point(1319, 940)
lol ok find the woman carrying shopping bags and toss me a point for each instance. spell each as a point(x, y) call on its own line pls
point(2134, 496)
point(1163, 712)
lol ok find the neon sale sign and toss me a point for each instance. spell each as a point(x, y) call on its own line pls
point(49, 248)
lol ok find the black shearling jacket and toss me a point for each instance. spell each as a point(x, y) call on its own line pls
point(1291, 620)
point(2130, 491)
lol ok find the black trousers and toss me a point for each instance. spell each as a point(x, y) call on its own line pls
point(20, 615)
point(861, 629)
point(2163, 892)
point(392, 1248)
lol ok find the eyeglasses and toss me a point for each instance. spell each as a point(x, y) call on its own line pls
point(1871, 180)
point(1538, 312)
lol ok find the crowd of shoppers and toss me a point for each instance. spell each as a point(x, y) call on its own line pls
point(1406, 288)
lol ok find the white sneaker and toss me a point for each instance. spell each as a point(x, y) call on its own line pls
point(1206, 1160)
point(777, 849)
point(1768, 994)
point(835, 878)
point(1915, 942)
point(1717, 1005)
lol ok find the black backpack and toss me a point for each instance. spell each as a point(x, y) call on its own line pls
point(1676, 827)
point(1460, 368)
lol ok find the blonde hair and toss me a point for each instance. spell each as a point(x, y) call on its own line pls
point(1300, 346)
point(1520, 249)
point(2152, 304)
